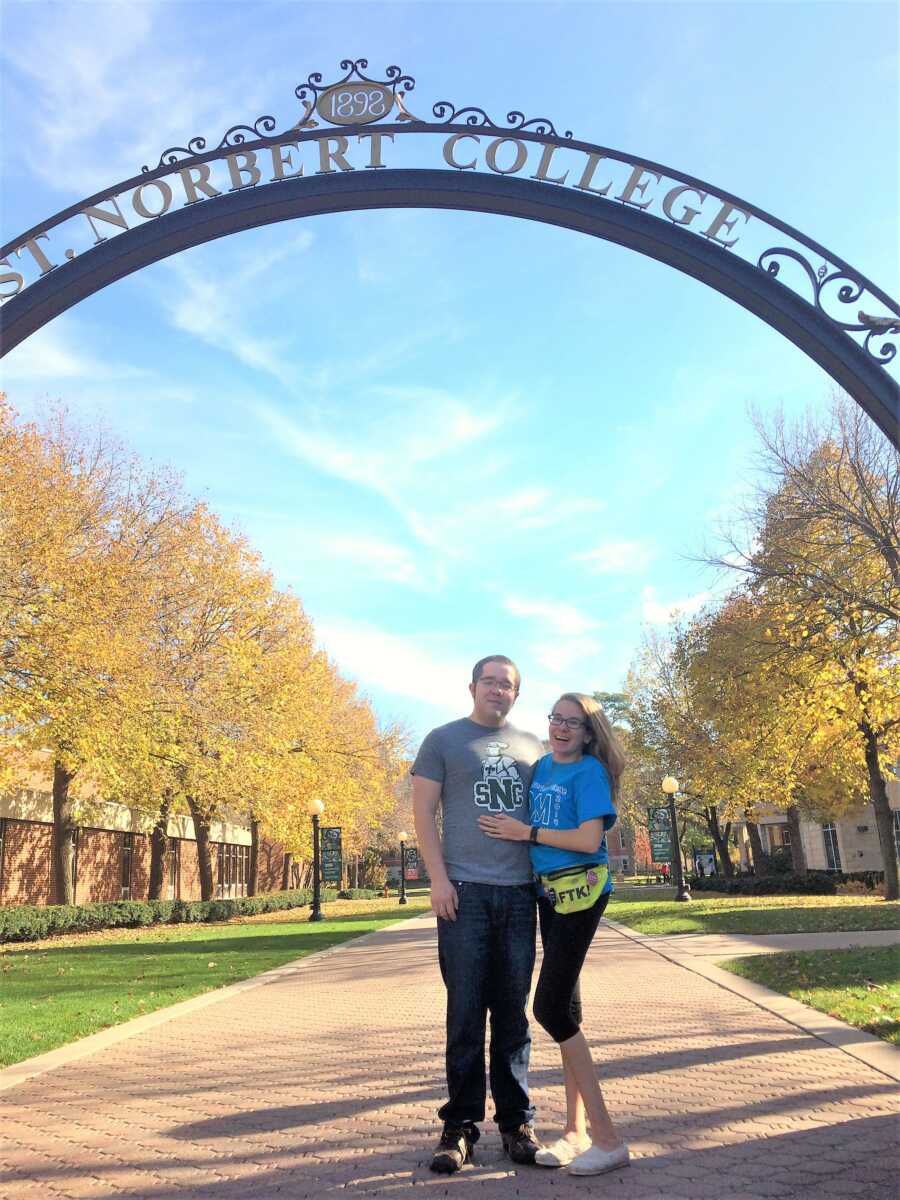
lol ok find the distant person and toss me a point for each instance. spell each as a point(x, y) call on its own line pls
point(484, 898)
point(572, 805)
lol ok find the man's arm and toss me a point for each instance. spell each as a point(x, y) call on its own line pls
point(426, 796)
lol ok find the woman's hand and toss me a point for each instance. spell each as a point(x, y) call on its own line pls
point(505, 827)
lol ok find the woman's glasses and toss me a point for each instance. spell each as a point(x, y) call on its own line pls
point(569, 722)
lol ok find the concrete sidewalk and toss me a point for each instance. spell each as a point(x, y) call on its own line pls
point(325, 1080)
point(735, 945)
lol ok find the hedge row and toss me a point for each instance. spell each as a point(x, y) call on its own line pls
point(30, 923)
point(358, 894)
point(815, 883)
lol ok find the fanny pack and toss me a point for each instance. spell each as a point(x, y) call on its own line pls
point(573, 889)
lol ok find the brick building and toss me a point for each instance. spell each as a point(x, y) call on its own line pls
point(112, 852)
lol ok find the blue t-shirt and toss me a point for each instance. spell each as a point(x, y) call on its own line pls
point(563, 796)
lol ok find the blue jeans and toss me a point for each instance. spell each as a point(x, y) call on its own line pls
point(487, 958)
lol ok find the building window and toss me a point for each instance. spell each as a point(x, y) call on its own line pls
point(172, 869)
point(234, 870)
point(897, 832)
point(127, 860)
point(832, 851)
point(785, 835)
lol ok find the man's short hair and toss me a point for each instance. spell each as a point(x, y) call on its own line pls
point(478, 669)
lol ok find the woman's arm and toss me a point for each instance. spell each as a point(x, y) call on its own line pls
point(585, 839)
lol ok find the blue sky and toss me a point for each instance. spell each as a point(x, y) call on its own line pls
point(454, 434)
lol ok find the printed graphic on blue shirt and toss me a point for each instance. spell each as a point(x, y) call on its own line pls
point(500, 789)
point(546, 799)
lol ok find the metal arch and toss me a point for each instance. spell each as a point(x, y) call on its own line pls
point(760, 292)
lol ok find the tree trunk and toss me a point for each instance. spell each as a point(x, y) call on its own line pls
point(253, 881)
point(884, 817)
point(720, 840)
point(682, 843)
point(65, 832)
point(204, 862)
point(159, 845)
point(762, 864)
point(286, 871)
point(798, 854)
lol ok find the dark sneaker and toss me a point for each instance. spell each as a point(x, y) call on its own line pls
point(521, 1145)
point(454, 1149)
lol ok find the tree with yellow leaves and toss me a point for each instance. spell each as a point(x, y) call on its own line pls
point(823, 561)
point(81, 527)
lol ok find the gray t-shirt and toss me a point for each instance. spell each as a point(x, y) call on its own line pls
point(481, 770)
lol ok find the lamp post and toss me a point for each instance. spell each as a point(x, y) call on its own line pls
point(403, 836)
point(315, 808)
point(670, 787)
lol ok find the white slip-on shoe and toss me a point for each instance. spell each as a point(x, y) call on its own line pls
point(595, 1161)
point(560, 1153)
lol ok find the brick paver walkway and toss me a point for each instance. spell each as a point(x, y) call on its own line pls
point(325, 1083)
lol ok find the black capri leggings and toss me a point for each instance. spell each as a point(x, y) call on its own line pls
point(565, 938)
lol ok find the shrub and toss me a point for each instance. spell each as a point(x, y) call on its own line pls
point(781, 861)
point(31, 923)
point(814, 883)
point(358, 894)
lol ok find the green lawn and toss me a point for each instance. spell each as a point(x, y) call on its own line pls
point(861, 987)
point(756, 914)
point(54, 992)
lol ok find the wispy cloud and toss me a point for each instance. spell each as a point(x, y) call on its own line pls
point(564, 653)
point(392, 447)
point(49, 356)
point(522, 502)
point(616, 558)
point(559, 509)
point(381, 559)
point(103, 96)
point(400, 666)
point(558, 617)
point(222, 317)
point(660, 612)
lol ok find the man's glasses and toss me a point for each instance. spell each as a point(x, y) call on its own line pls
point(569, 722)
point(502, 685)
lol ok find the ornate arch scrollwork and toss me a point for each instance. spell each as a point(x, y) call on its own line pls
point(308, 93)
point(838, 285)
point(446, 113)
point(263, 128)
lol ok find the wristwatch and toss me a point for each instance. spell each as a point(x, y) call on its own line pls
point(532, 837)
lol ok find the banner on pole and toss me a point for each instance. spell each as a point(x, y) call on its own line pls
point(412, 863)
point(660, 829)
point(332, 864)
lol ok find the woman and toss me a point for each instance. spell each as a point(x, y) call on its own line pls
point(573, 796)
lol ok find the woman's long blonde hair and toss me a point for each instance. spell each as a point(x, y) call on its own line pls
point(603, 743)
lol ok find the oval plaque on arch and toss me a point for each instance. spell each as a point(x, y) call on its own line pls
point(356, 103)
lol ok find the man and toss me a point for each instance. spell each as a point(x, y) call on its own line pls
point(483, 897)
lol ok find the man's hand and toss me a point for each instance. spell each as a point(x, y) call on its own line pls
point(505, 827)
point(444, 900)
